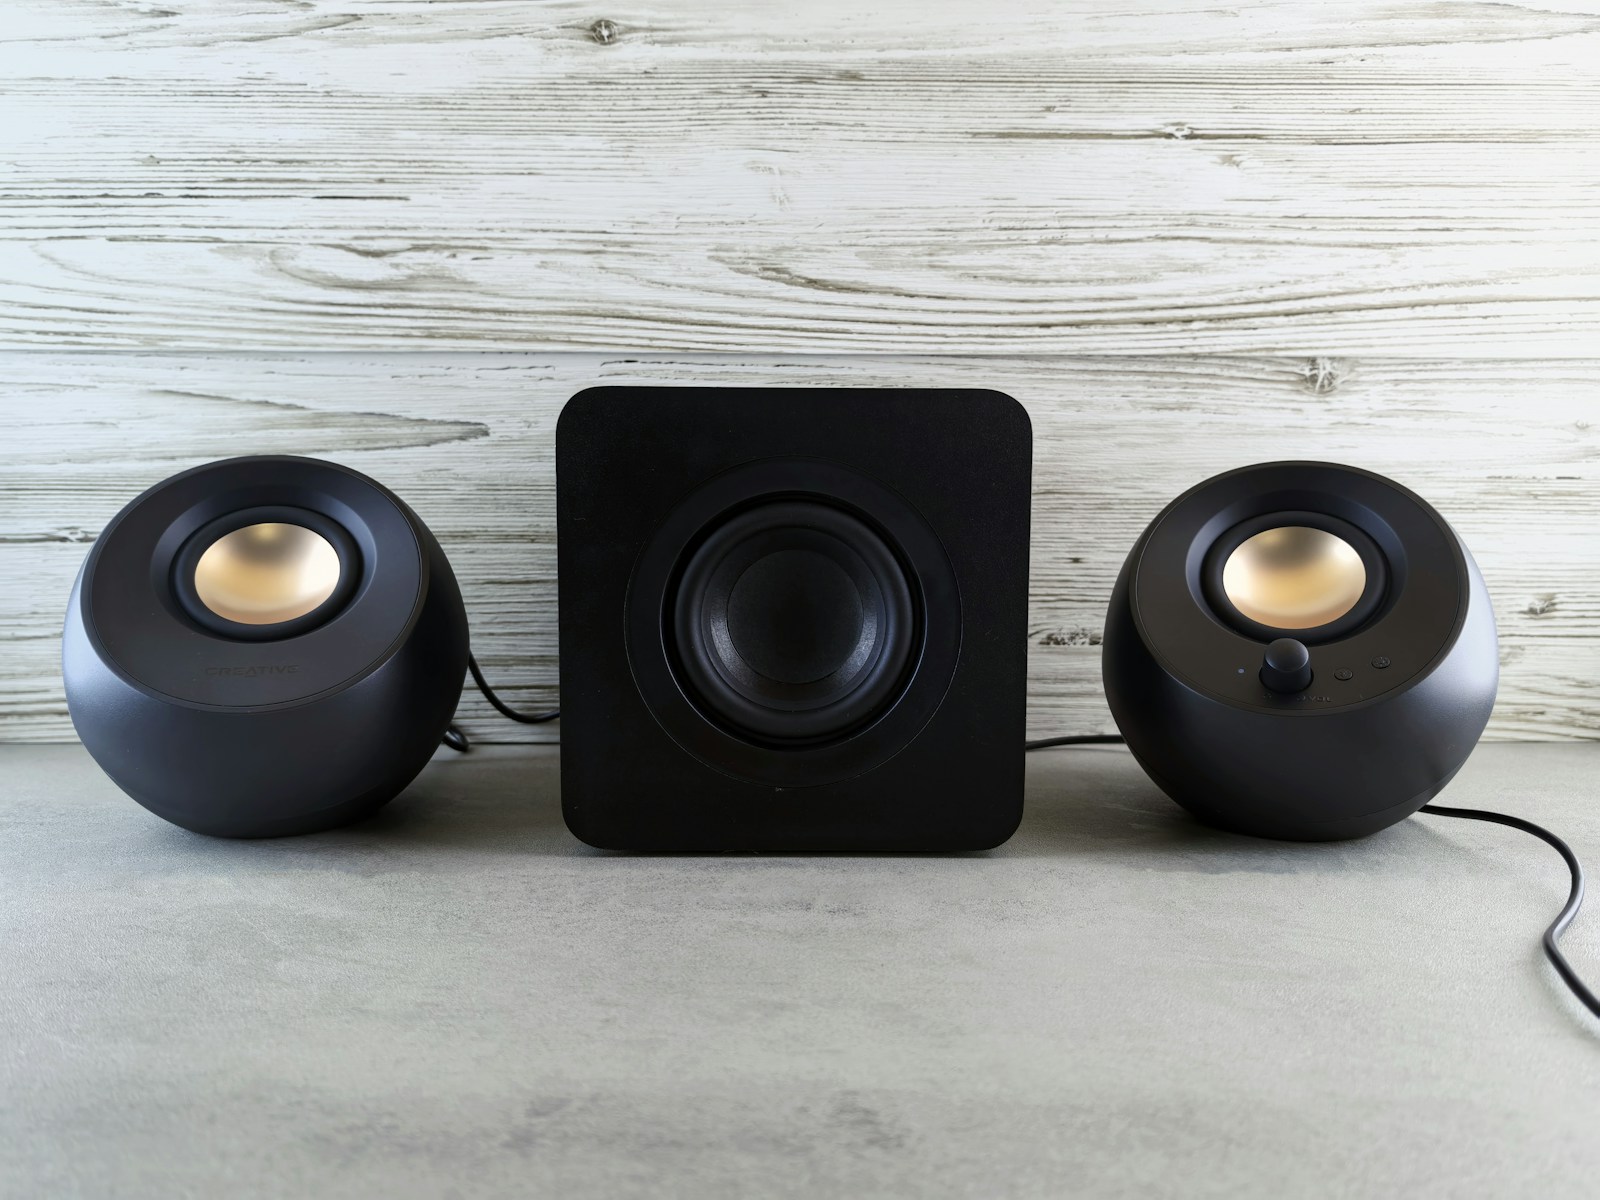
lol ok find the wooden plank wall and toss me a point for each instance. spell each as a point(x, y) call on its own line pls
point(1187, 236)
point(933, 176)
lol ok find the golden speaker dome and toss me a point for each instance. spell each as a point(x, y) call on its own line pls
point(267, 573)
point(1294, 577)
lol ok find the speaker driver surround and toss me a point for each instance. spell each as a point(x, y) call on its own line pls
point(1306, 573)
point(266, 572)
point(793, 621)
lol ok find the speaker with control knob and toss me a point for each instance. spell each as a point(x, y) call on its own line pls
point(792, 619)
point(264, 646)
point(1300, 650)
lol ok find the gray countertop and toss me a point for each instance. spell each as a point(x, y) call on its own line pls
point(456, 998)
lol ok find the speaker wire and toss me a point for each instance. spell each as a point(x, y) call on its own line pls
point(458, 741)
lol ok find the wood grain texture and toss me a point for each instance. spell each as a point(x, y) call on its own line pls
point(1509, 452)
point(1279, 177)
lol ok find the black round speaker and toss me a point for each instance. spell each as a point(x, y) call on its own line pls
point(264, 646)
point(1300, 650)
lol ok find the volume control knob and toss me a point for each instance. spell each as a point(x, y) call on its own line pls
point(1286, 666)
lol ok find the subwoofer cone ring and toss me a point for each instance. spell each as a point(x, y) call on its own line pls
point(655, 662)
point(792, 621)
point(1373, 565)
point(198, 608)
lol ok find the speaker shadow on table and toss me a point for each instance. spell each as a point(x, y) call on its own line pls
point(497, 799)
point(1088, 801)
point(1096, 801)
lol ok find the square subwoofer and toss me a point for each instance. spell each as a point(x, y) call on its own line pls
point(793, 619)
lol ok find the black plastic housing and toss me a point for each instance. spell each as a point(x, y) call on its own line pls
point(1396, 702)
point(671, 738)
point(238, 733)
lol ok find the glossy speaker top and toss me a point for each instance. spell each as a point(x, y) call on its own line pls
point(1407, 616)
point(142, 614)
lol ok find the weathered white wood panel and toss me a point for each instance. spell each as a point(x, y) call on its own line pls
point(1378, 176)
point(1510, 452)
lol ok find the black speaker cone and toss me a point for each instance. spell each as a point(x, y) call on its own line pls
point(792, 621)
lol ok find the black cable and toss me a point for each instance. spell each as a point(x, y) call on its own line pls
point(1552, 949)
point(500, 705)
point(458, 741)
point(1552, 935)
point(1081, 739)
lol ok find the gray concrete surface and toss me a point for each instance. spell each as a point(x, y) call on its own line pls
point(457, 999)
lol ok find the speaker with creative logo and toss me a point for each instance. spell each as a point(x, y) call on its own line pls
point(264, 646)
point(792, 619)
point(1300, 650)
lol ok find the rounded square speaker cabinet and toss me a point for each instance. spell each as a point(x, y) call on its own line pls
point(793, 619)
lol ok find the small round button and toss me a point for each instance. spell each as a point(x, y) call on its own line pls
point(1286, 666)
point(1381, 661)
point(1344, 673)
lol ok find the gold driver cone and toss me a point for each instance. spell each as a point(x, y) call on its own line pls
point(1294, 577)
point(267, 573)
